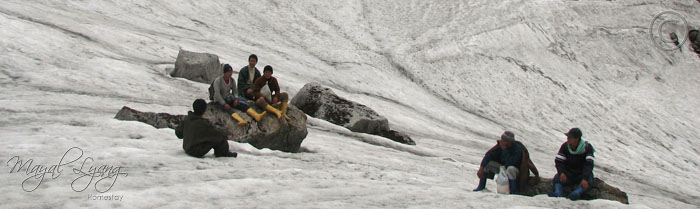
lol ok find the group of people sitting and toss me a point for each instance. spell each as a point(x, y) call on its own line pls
point(200, 136)
point(251, 86)
point(574, 164)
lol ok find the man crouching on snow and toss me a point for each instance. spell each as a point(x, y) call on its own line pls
point(199, 136)
point(574, 164)
point(516, 159)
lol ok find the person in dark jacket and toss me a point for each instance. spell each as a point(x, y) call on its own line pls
point(247, 76)
point(199, 135)
point(508, 154)
point(574, 164)
point(527, 166)
point(276, 96)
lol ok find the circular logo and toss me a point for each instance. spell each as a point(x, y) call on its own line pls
point(668, 30)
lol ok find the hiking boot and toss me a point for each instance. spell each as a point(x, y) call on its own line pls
point(558, 191)
point(575, 194)
point(482, 185)
point(513, 186)
point(228, 154)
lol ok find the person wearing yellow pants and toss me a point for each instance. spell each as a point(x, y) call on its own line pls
point(271, 82)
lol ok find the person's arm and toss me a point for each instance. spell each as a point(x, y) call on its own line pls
point(179, 130)
point(588, 165)
point(532, 167)
point(242, 81)
point(275, 89)
point(209, 133)
point(560, 159)
point(217, 91)
point(234, 88)
point(490, 156)
point(257, 85)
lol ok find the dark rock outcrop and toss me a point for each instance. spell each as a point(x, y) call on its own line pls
point(199, 67)
point(598, 190)
point(397, 137)
point(158, 120)
point(321, 102)
point(270, 133)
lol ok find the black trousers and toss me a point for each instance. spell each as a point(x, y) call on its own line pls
point(199, 150)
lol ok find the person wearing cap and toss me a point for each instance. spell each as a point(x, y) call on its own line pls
point(574, 164)
point(271, 82)
point(199, 135)
point(511, 154)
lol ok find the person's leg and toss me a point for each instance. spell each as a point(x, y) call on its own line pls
point(512, 173)
point(491, 167)
point(558, 187)
point(283, 98)
point(199, 150)
point(229, 100)
point(242, 104)
point(576, 194)
point(221, 149)
point(265, 104)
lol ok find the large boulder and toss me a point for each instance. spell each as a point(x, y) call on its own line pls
point(321, 102)
point(270, 133)
point(199, 67)
point(598, 190)
point(158, 120)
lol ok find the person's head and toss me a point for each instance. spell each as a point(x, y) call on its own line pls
point(573, 137)
point(507, 140)
point(252, 60)
point(267, 72)
point(228, 71)
point(693, 35)
point(199, 106)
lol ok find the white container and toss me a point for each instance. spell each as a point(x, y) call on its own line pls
point(502, 182)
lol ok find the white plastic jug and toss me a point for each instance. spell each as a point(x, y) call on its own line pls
point(502, 182)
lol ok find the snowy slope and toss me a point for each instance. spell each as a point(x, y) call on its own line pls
point(453, 74)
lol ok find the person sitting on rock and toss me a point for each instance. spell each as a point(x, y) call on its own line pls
point(276, 96)
point(224, 92)
point(199, 135)
point(574, 164)
point(511, 154)
point(246, 77)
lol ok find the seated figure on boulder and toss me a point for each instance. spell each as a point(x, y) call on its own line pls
point(516, 159)
point(223, 91)
point(574, 164)
point(199, 135)
point(246, 77)
point(276, 96)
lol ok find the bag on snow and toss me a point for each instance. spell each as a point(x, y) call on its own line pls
point(502, 182)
